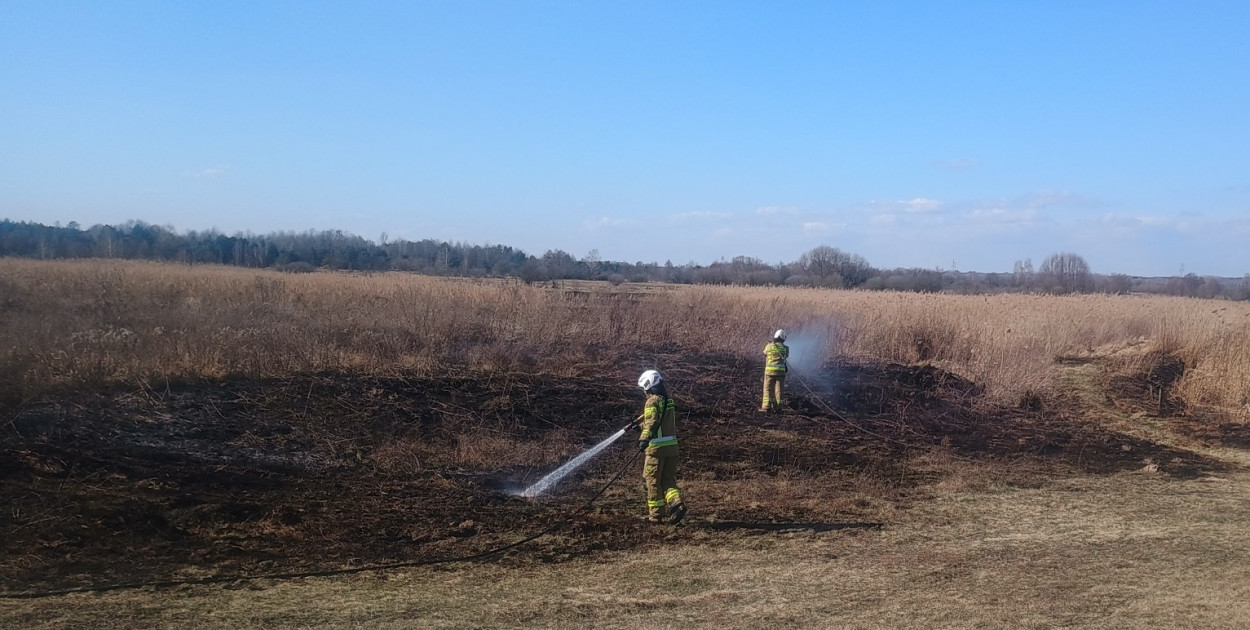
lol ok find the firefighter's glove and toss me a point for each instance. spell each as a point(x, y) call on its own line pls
point(643, 444)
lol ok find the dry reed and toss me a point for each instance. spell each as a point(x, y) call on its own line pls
point(74, 323)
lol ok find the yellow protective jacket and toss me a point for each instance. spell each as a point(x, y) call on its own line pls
point(659, 426)
point(775, 355)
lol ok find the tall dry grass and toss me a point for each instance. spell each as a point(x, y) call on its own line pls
point(76, 322)
point(69, 323)
point(1010, 344)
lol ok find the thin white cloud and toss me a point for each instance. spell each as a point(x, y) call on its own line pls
point(1184, 222)
point(1121, 221)
point(1039, 207)
point(1237, 225)
point(885, 219)
point(769, 211)
point(1116, 226)
point(817, 227)
point(606, 223)
point(958, 164)
point(699, 215)
point(1134, 221)
point(1048, 198)
point(205, 173)
point(920, 204)
point(1003, 215)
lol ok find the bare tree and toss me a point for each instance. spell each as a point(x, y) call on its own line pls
point(1118, 283)
point(832, 267)
point(1064, 273)
point(1022, 274)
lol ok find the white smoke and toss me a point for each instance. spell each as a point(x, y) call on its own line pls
point(810, 346)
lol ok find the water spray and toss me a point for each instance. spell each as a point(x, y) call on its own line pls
point(556, 475)
point(809, 347)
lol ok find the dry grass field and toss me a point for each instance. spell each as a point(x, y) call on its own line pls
point(72, 323)
point(945, 461)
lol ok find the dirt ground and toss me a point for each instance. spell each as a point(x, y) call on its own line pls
point(322, 472)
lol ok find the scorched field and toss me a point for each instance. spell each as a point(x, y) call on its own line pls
point(214, 447)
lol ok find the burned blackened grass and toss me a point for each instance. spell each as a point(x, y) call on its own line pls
point(327, 470)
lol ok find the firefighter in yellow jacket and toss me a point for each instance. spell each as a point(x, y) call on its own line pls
point(658, 423)
point(776, 354)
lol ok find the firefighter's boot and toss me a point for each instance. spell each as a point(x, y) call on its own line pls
point(676, 513)
point(676, 507)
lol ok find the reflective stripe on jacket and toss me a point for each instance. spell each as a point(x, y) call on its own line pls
point(775, 355)
point(659, 426)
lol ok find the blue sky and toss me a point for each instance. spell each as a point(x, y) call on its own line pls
point(953, 134)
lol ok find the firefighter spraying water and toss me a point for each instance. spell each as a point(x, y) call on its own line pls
point(798, 355)
point(776, 363)
point(657, 440)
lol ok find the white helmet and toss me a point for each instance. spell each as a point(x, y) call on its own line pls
point(649, 379)
point(780, 335)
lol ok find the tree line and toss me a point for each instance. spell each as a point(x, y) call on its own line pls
point(822, 266)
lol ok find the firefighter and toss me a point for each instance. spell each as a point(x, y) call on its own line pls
point(776, 354)
point(658, 440)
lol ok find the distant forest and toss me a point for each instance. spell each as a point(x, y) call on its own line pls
point(823, 266)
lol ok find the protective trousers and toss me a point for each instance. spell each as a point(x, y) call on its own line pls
point(660, 473)
point(774, 383)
